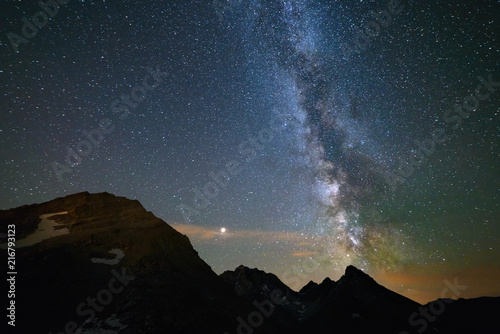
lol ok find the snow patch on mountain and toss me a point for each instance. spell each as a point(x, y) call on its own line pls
point(46, 230)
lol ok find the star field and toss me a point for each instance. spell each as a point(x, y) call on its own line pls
point(336, 132)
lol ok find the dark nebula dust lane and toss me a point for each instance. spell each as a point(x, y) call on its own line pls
point(380, 156)
point(287, 33)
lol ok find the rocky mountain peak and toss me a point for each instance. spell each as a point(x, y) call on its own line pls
point(119, 269)
point(109, 239)
point(355, 277)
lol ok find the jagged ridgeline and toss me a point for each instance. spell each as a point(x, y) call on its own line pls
point(97, 263)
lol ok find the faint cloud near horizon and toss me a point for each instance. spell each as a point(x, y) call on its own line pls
point(196, 232)
point(421, 283)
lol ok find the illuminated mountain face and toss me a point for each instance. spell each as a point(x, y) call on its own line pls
point(120, 269)
point(334, 132)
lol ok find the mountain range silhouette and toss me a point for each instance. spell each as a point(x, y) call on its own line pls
point(103, 264)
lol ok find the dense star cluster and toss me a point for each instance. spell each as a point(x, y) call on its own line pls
point(272, 133)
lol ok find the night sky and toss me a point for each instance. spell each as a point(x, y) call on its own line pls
point(317, 133)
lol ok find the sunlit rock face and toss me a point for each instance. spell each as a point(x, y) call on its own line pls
point(118, 268)
point(106, 265)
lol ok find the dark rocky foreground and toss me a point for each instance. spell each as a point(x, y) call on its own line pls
point(122, 270)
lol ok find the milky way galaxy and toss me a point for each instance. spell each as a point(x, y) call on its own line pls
point(330, 138)
point(294, 136)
